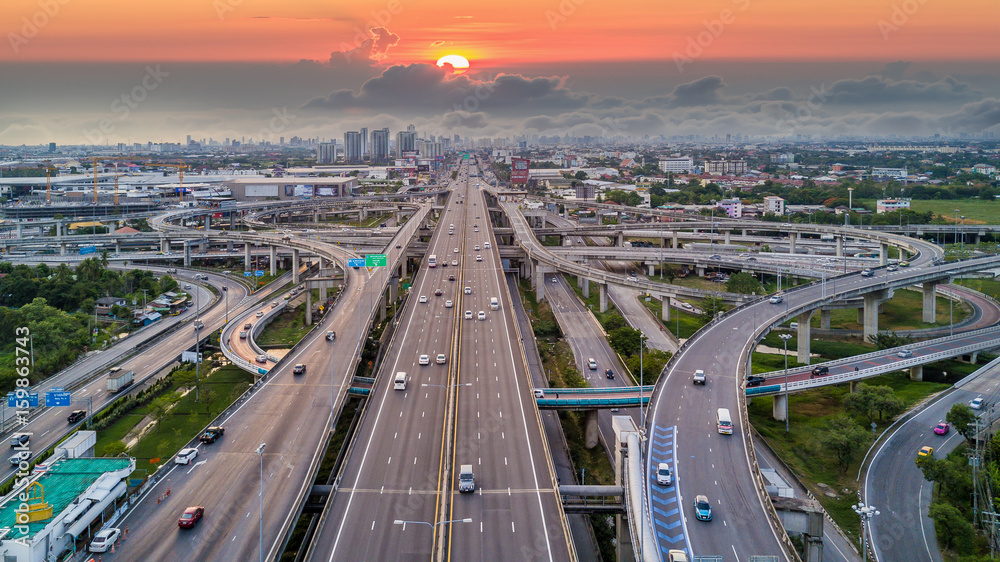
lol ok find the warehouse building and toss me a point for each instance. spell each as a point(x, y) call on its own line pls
point(258, 189)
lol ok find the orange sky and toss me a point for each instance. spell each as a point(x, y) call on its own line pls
point(497, 34)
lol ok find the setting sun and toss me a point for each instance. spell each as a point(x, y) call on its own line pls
point(459, 63)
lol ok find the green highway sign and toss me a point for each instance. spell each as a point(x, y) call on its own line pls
point(375, 260)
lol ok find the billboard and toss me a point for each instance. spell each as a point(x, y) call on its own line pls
point(423, 168)
point(519, 170)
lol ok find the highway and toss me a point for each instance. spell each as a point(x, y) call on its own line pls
point(895, 485)
point(291, 415)
point(403, 466)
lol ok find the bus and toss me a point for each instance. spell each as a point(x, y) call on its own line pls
point(866, 255)
point(432, 261)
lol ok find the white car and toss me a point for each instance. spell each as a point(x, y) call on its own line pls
point(468, 315)
point(776, 299)
point(482, 315)
point(454, 262)
point(904, 353)
point(479, 258)
point(977, 403)
point(186, 456)
point(486, 245)
point(440, 360)
point(422, 299)
point(468, 290)
point(663, 475)
point(103, 540)
point(555, 279)
point(686, 305)
point(476, 247)
point(425, 360)
point(456, 250)
point(448, 304)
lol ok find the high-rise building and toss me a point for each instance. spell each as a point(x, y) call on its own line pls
point(365, 153)
point(52, 147)
point(406, 141)
point(326, 153)
point(380, 146)
point(352, 147)
point(430, 150)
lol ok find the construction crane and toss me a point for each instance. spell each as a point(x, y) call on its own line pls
point(180, 175)
point(95, 178)
point(48, 182)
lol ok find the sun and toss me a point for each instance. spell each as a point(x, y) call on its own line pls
point(459, 63)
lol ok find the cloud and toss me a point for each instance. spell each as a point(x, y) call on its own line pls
point(894, 70)
point(973, 117)
point(875, 89)
point(782, 93)
point(367, 50)
point(437, 44)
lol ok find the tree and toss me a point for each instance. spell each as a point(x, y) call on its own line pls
point(670, 272)
point(744, 283)
point(581, 175)
point(867, 401)
point(844, 439)
point(625, 340)
point(883, 340)
point(612, 322)
point(963, 419)
point(710, 306)
point(158, 410)
point(953, 530)
point(114, 448)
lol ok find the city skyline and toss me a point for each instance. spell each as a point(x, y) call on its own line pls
point(260, 69)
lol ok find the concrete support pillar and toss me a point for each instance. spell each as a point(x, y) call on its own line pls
point(62, 249)
point(229, 245)
point(539, 283)
point(208, 223)
point(274, 260)
point(604, 297)
point(309, 307)
point(403, 267)
point(793, 237)
point(673, 241)
point(780, 409)
point(381, 308)
point(322, 294)
point(118, 247)
point(295, 266)
point(824, 319)
point(187, 255)
point(917, 373)
point(665, 313)
point(315, 216)
point(393, 290)
point(652, 269)
point(883, 253)
point(930, 301)
point(246, 256)
point(591, 431)
point(232, 220)
point(699, 270)
point(872, 302)
point(854, 386)
point(20, 230)
point(840, 246)
point(586, 288)
point(164, 245)
point(619, 240)
point(861, 316)
point(803, 336)
point(727, 233)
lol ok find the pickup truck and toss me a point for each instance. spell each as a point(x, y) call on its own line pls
point(699, 377)
point(212, 434)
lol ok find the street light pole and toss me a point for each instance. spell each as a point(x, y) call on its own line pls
point(197, 344)
point(785, 338)
point(260, 453)
point(225, 290)
point(866, 512)
point(961, 251)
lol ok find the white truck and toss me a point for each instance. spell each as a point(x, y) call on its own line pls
point(466, 480)
point(120, 380)
point(699, 377)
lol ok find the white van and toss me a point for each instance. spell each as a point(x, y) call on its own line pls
point(724, 421)
point(399, 383)
point(494, 303)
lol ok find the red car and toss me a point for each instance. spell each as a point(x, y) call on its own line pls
point(942, 428)
point(190, 517)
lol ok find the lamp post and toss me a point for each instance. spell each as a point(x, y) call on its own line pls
point(260, 453)
point(784, 339)
point(955, 239)
point(225, 291)
point(642, 411)
point(197, 344)
point(961, 251)
point(867, 513)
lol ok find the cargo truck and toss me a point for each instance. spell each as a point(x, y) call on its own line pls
point(120, 380)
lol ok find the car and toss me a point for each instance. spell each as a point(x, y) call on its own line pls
point(468, 290)
point(299, 369)
point(243, 335)
point(274, 304)
point(776, 299)
point(198, 324)
point(247, 326)
point(468, 315)
point(448, 304)
point(476, 247)
point(76, 416)
point(592, 364)
point(754, 380)
point(751, 258)
point(191, 517)
point(422, 299)
point(715, 257)
point(260, 314)
point(104, 539)
point(486, 245)
point(555, 279)
point(609, 374)
point(904, 264)
point(454, 262)
point(331, 335)
point(686, 305)
point(702, 509)
point(663, 475)
point(977, 403)
point(904, 354)
point(481, 315)
point(398, 246)
point(892, 267)
point(188, 287)
point(212, 434)
point(185, 456)
point(942, 428)
point(819, 371)
point(425, 359)
point(451, 278)
point(479, 258)
point(444, 264)
point(675, 555)
point(867, 273)
point(437, 292)
point(19, 440)
point(456, 250)
point(475, 230)
point(261, 358)
point(440, 359)
point(925, 451)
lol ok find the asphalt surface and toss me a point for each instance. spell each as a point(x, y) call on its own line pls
point(402, 467)
point(896, 486)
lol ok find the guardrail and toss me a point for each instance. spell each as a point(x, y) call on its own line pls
point(592, 402)
point(600, 390)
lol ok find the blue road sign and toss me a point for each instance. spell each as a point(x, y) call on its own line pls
point(32, 399)
point(355, 263)
point(247, 274)
point(258, 273)
point(88, 250)
point(57, 397)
